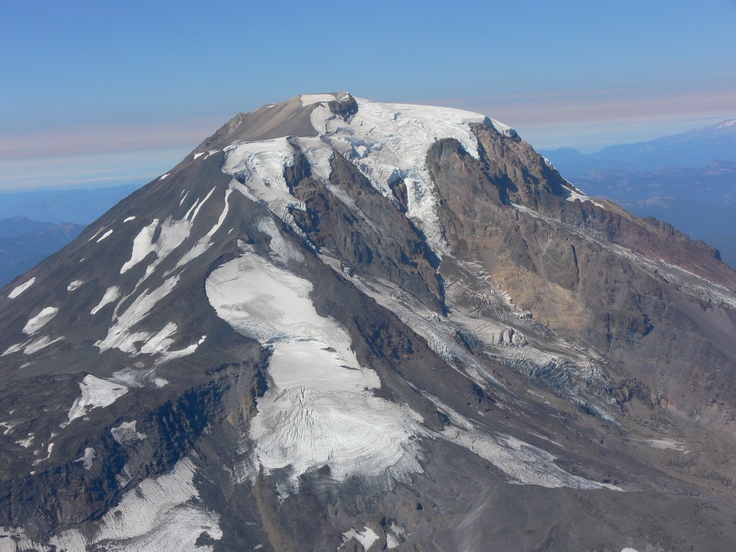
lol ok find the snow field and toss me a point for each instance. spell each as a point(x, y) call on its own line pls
point(158, 515)
point(262, 164)
point(280, 248)
point(141, 246)
point(309, 99)
point(319, 409)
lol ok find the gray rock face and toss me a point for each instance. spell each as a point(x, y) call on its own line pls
point(340, 324)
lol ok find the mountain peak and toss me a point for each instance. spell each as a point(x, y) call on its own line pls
point(728, 124)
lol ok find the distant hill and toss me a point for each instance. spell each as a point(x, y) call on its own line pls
point(24, 243)
point(687, 180)
point(35, 224)
point(9, 228)
point(79, 206)
point(694, 148)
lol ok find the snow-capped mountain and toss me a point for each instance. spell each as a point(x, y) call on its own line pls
point(692, 149)
point(342, 324)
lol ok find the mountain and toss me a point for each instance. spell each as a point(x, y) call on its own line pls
point(15, 226)
point(24, 243)
point(694, 148)
point(687, 180)
point(688, 149)
point(347, 325)
point(78, 206)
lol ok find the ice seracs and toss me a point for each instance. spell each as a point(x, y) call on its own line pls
point(391, 141)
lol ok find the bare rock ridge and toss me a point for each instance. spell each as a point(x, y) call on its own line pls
point(346, 325)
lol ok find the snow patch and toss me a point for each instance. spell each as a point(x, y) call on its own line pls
point(111, 294)
point(395, 536)
point(89, 455)
point(96, 393)
point(520, 461)
point(198, 206)
point(171, 235)
point(27, 442)
point(577, 194)
point(131, 377)
point(125, 433)
point(280, 248)
point(670, 444)
point(21, 288)
point(120, 335)
point(105, 235)
point(223, 214)
point(8, 427)
point(167, 356)
point(128, 219)
point(49, 448)
point(32, 346)
point(367, 537)
point(76, 284)
point(141, 246)
point(40, 320)
point(39, 344)
point(163, 176)
point(259, 168)
point(309, 99)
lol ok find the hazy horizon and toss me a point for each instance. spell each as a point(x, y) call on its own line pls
point(107, 92)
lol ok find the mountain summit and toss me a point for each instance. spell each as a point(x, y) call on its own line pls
point(348, 325)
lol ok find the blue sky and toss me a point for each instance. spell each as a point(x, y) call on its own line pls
point(113, 91)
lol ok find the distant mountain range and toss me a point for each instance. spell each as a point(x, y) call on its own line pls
point(25, 243)
point(695, 148)
point(687, 180)
point(35, 224)
point(79, 206)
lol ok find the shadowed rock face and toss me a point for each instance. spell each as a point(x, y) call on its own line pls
point(340, 324)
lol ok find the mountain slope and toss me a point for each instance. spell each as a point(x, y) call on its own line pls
point(693, 193)
point(352, 325)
